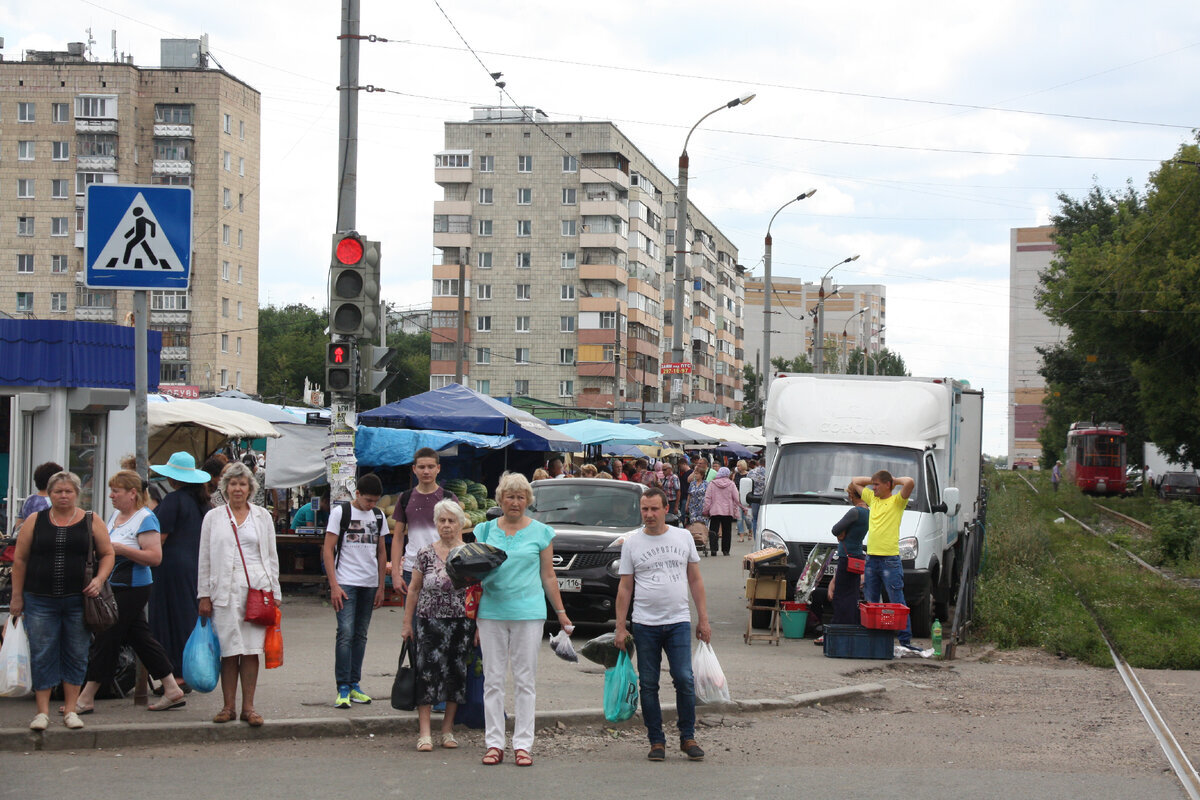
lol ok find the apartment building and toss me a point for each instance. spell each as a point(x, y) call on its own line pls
point(855, 317)
point(565, 232)
point(67, 121)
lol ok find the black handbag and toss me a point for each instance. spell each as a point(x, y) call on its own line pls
point(99, 612)
point(404, 688)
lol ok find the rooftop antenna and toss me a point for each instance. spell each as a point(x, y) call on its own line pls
point(90, 42)
point(496, 76)
point(114, 45)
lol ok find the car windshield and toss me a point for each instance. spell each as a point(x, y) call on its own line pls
point(592, 504)
point(821, 472)
point(1181, 479)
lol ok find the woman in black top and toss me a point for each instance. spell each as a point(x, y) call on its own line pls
point(48, 589)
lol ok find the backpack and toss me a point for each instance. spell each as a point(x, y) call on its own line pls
point(344, 505)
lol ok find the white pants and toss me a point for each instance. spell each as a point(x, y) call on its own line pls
point(509, 644)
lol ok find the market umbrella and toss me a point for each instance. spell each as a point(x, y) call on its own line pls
point(674, 433)
point(199, 428)
point(252, 407)
point(723, 431)
point(598, 431)
point(734, 449)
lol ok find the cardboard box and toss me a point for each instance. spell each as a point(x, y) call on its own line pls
point(766, 589)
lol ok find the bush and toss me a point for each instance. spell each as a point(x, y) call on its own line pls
point(1176, 531)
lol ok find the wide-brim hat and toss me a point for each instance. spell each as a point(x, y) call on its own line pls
point(182, 467)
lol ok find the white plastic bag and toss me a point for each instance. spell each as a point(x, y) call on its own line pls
point(560, 643)
point(15, 678)
point(709, 678)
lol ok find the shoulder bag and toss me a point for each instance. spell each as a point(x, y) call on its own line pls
point(260, 603)
point(99, 612)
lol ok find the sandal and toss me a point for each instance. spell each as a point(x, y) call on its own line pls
point(224, 715)
point(493, 756)
point(425, 744)
point(252, 718)
point(522, 758)
point(448, 741)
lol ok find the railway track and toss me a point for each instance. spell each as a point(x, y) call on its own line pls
point(1125, 518)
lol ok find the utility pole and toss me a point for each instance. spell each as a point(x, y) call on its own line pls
point(616, 414)
point(460, 338)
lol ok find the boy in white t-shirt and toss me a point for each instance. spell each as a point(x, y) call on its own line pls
point(355, 556)
point(663, 564)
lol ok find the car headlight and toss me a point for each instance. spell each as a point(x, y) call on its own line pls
point(769, 538)
point(908, 549)
point(614, 568)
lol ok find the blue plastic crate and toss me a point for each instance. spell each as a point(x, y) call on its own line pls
point(855, 641)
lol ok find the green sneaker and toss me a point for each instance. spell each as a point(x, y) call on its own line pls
point(358, 696)
point(343, 698)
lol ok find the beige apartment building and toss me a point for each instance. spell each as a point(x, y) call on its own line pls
point(67, 122)
point(565, 231)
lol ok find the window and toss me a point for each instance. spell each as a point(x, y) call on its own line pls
point(58, 264)
point(25, 188)
point(483, 355)
point(227, 198)
point(485, 227)
point(483, 387)
point(26, 112)
point(102, 107)
point(93, 298)
point(521, 388)
point(523, 292)
point(487, 163)
point(485, 196)
point(224, 306)
point(238, 380)
point(566, 355)
point(224, 379)
point(566, 388)
point(241, 203)
point(58, 301)
point(242, 129)
point(568, 261)
point(445, 287)
point(524, 260)
point(171, 180)
point(227, 158)
point(25, 151)
point(524, 196)
point(80, 219)
point(169, 301)
point(443, 351)
point(569, 197)
point(483, 324)
point(59, 188)
point(524, 163)
point(173, 149)
point(670, 234)
point(459, 160)
point(24, 226)
point(238, 346)
point(169, 114)
point(566, 291)
point(521, 355)
point(60, 151)
point(569, 227)
point(224, 342)
point(60, 112)
point(25, 299)
point(608, 319)
point(483, 291)
point(25, 262)
point(224, 270)
point(227, 126)
point(98, 144)
point(607, 353)
point(522, 324)
point(566, 324)
point(440, 381)
point(570, 164)
point(241, 234)
point(58, 226)
point(483, 260)
point(241, 166)
point(226, 231)
point(239, 309)
point(524, 227)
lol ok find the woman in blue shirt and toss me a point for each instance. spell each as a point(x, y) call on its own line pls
point(512, 615)
point(134, 531)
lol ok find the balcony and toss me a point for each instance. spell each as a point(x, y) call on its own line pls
point(168, 130)
point(174, 354)
point(613, 175)
point(93, 314)
point(95, 126)
point(173, 317)
point(452, 207)
point(444, 175)
point(450, 272)
point(601, 304)
point(642, 317)
point(96, 163)
point(603, 272)
point(171, 166)
point(450, 303)
point(603, 208)
point(608, 241)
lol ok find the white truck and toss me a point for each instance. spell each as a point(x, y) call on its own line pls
point(823, 430)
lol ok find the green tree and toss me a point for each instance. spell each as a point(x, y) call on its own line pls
point(291, 347)
point(798, 364)
point(885, 362)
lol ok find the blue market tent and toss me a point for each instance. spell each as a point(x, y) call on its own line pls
point(734, 449)
point(597, 431)
point(457, 408)
point(394, 447)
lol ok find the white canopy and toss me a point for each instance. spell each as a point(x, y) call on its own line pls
point(198, 428)
point(726, 432)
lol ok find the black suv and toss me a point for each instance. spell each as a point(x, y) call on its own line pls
point(1180, 486)
point(591, 518)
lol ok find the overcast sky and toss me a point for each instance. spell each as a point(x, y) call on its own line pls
point(930, 129)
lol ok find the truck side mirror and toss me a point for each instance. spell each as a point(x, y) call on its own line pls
point(950, 502)
point(754, 498)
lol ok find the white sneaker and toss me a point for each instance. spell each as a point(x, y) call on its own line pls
point(40, 723)
point(73, 721)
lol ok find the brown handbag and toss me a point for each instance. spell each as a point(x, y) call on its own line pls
point(260, 603)
point(99, 612)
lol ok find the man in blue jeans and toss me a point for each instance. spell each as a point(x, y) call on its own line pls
point(662, 562)
point(355, 555)
point(887, 497)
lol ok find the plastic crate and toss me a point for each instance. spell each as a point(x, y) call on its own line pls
point(855, 641)
point(883, 616)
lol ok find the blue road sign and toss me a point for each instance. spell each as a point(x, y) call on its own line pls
point(138, 237)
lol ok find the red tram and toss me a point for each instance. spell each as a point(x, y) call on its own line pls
point(1096, 457)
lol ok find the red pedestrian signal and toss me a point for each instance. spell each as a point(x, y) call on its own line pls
point(337, 354)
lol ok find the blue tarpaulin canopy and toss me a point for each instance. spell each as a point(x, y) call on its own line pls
point(394, 447)
point(597, 431)
point(457, 408)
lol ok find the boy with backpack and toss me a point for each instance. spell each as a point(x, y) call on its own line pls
point(414, 526)
point(355, 555)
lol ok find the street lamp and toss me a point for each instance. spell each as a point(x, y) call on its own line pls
point(846, 328)
point(681, 251)
point(767, 370)
point(875, 358)
point(820, 348)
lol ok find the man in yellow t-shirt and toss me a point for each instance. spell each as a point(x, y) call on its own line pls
point(887, 497)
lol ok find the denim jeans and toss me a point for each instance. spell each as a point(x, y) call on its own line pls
point(676, 640)
point(58, 642)
point(886, 572)
point(352, 623)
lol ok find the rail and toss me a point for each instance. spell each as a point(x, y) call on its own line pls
point(1128, 520)
point(972, 562)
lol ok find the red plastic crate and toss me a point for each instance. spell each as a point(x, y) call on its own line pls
point(883, 616)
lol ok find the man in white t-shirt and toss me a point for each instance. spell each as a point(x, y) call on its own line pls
point(355, 555)
point(662, 562)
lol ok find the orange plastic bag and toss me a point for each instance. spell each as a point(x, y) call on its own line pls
point(273, 645)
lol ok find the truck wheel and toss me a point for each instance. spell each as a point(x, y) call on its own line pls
point(760, 620)
point(920, 614)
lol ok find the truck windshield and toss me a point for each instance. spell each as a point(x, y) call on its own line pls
point(818, 471)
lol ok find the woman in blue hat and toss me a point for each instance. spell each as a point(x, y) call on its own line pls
point(173, 605)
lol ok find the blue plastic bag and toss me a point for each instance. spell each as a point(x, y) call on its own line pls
point(470, 713)
point(620, 690)
point(202, 657)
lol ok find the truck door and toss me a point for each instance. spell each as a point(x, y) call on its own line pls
point(933, 490)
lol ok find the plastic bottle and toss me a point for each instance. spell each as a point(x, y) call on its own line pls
point(937, 639)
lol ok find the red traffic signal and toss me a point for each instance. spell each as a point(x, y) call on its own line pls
point(349, 250)
point(339, 353)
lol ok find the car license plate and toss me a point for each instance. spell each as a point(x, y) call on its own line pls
point(832, 568)
point(570, 584)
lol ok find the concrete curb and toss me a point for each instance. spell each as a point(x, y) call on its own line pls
point(113, 737)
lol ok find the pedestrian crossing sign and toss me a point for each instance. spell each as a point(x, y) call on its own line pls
point(138, 237)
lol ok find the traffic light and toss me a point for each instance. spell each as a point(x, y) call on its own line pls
point(354, 286)
point(339, 368)
point(372, 314)
point(375, 379)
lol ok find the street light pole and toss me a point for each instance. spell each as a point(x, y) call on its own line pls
point(820, 344)
point(845, 329)
point(766, 348)
point(681, 251)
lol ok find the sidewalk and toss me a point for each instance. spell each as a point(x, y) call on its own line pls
point(297, 699)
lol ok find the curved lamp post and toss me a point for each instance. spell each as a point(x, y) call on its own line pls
point(677, 315)
point(767, 369)
point(846, 328)
point(820, 343)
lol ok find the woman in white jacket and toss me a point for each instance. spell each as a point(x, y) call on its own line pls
point(223, 580)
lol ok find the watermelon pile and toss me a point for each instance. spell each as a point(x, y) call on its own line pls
point(473, 497)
